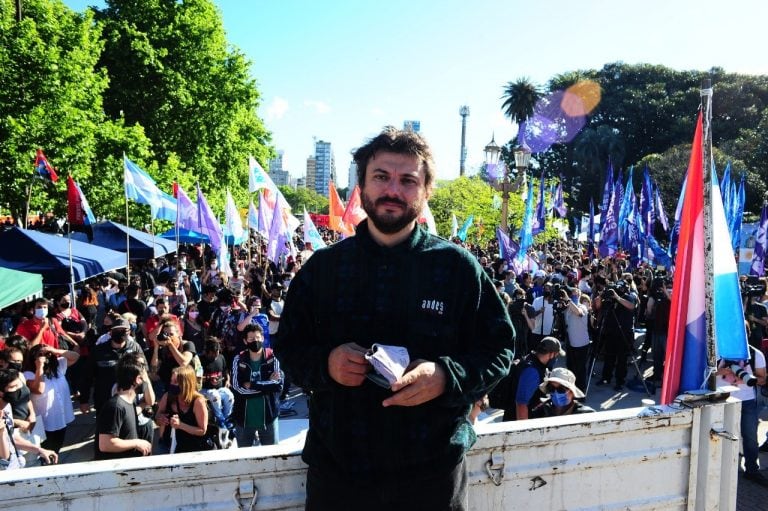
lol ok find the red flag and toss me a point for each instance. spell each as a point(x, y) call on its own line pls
point(354, 214)
point(43, 168)
point(685, 361)
point(336, 212)
point(79, 213)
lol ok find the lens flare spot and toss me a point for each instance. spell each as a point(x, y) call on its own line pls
point(581, 98)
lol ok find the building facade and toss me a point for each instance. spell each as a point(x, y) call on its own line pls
point(280, 176)
point(325, 167)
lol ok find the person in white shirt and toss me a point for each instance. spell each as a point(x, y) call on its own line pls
point(577, 325)
point(740, 373)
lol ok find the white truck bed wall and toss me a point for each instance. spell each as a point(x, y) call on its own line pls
point(679, 459)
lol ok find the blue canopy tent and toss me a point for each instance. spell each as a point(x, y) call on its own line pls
point(112, 235)
point(186, 236)
point(48, 255)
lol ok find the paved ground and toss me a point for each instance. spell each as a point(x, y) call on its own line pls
point(751, 496)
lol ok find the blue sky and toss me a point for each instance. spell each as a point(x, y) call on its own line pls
point(340, 70)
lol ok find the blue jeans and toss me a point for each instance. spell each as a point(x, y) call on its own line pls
point(268, 435)
point(221, 400)
point(749, 435)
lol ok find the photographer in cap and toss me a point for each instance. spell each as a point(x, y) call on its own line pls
point(169, 352)
point(522, 393)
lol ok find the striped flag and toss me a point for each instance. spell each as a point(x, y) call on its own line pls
point(730, 335)
point(43, 168)
point(686, 357)
point(79, 214)
point(311, 234)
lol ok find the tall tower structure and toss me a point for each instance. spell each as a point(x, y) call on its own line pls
point(311, 168)
point(325, 167)
point(276, 172)
point(351, 178)
point(464, 113)
point(414, 126)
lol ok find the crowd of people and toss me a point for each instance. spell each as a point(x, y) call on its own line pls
point(177, 347)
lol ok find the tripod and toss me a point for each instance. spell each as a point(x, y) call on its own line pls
point(595, 351)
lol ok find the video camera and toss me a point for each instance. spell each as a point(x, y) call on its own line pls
point(620, 286)
point(753, 286)
point(749, 379)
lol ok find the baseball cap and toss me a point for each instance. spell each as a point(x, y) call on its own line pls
point(158, 290)
point(539, 274)
point(550, 345)
point(121, 323)
point(564, 377)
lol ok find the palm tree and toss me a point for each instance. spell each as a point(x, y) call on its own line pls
point(520, 98)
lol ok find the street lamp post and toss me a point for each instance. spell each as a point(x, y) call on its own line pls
point(522, 160)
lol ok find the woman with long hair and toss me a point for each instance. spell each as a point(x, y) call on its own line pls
point(46, 370)
point(183, 413)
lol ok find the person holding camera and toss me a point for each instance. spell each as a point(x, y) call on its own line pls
point(577, 325)
point(616, 309)
point(117, 422)
point(170, 352)
point(544, 315)
point(747, 375)
point(521, 313)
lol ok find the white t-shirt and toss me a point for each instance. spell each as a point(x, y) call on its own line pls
point(54, 405)
point(15, 460)
point(578, 326)
point(744, 393)
point(544, 319)
point(277, 309)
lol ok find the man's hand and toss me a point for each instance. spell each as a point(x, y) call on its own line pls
point(423, 381)
point(347, 365)
point(144, 447)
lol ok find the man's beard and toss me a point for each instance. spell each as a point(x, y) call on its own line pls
point(389, 223)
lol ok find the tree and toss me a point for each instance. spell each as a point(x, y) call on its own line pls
point(50, 98)
point(171, 71)
point(520, 98)
point(300, 198)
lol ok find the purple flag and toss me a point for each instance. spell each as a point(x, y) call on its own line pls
point(607, 192)
point(507, 247)
point(278, 233)
point(609, 231)
point(207, 223)
point(646, 203)
point(660, 214)
point(591, 229)
point(761, 245)
point(186, 210)
point(539, 218)
point(559, 202)
point(264, 218)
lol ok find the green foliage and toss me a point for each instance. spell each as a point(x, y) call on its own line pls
point(172, 71)
point(300, 198)
point(646, 110)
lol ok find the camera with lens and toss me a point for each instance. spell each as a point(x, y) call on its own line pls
point(163, 337)
point(149, 412)
point(657, 288)
point(749, 379)
point(753, 286)
point(620, 287)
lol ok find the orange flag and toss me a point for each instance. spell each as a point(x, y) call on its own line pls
point(354, 214)
point(336, 212)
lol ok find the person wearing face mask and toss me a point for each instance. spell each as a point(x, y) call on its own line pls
point(154, 322)
point(183, 413)
point(522, 385)
point(560, 386)
point(208, 304)
point(117, 421)
point(212, 275)
point(224, 323)
point(24, 417)
point(67, 321)
point(37, 329)
point(45, 372)
point(577, 326)
point(255, 316)
point(216, 382)
point(12, 443)
point(193, 328)
point(100, 373)
point(257, 382)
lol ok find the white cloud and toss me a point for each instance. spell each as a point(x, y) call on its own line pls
point(277, 108)
point(320, 107)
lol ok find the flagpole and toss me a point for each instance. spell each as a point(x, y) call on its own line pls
point(127, 233)
point(709, 291)
point(71, 269)
point(178, 258)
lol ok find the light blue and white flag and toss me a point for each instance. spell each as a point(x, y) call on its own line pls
point(462, 234)
point(141, 188)
point(257, 178)
point(730, 335)
point(311, 234)
point(233, 224)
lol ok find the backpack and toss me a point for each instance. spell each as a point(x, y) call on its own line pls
point(497, 396)
point(216, 437)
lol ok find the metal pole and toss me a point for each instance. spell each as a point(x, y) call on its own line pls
point(464, 112)
point(71, 267)
point(706, 151)
point(127, 242)
point(505, 201)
